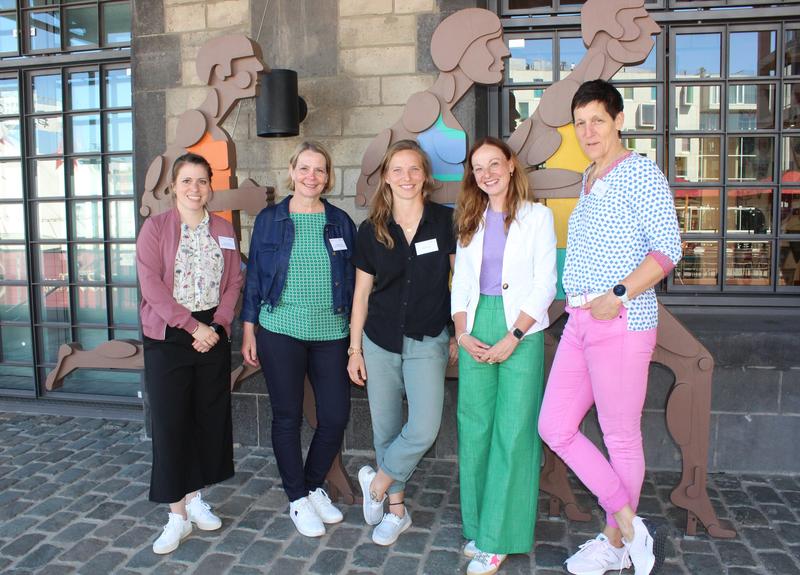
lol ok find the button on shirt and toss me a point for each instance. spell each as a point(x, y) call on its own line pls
point(198, 268)
point(626, 215)
point(410, 295)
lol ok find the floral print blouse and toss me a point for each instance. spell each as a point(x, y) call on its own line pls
point(198, 268)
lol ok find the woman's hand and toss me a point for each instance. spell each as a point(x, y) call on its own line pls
point(502, 350)
point(357, 369)
point(475, 347)
point(205, 337)
point(453, 352)
point(604, 307)
point(249, 350)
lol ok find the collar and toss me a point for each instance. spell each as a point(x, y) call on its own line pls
point(428, 214)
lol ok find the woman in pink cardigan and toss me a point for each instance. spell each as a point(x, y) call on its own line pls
point(190, 275)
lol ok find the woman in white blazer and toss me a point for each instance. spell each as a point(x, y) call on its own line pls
point(503, 284)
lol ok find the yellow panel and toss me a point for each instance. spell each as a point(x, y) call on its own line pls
point(569, 155)
point(562, 208)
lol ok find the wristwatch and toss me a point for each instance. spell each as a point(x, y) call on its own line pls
point(621, 292)
point(219, 329)
point(518, 333)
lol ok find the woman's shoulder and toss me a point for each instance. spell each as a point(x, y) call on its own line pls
point(532, 209)
point(220, 224)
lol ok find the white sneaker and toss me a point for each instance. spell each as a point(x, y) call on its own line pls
point(373, 510)
point(471, 549)
point(176, 530)
point(322, 505)
point(305, 518)
point(199, 513)
point(647, 551)
point(485, 563)
point(390, 528)
point(597, 556)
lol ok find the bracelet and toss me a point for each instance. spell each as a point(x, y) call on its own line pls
point(194, 331)
point(458, 339)
point(353, 351)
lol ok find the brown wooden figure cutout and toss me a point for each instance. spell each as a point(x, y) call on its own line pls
point(468, 48)
point(616, 33)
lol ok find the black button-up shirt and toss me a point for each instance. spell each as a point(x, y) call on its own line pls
point(410, 295)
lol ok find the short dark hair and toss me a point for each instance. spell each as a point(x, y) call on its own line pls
point(190, 158)
point(598, 91)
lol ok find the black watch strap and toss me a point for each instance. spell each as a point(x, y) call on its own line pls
point(218, 328)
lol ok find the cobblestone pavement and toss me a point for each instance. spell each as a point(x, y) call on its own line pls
point(73, 499)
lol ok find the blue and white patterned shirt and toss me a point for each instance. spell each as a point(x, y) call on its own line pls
point(628, 213)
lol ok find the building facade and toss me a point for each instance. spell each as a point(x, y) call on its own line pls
point(91, 90)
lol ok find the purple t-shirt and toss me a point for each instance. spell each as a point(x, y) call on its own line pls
point(494, 244)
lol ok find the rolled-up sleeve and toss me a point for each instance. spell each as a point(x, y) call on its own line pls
point(655, 210)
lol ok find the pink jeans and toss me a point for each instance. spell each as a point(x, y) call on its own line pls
point(600, 362)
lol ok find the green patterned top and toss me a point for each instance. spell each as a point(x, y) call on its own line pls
point(305, 310)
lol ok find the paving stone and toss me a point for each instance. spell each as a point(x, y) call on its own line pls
point(705, 564)
point(778, 564)
point(547, 555)
point(102, 564)
point(260, 553)
point(329, 562)
point(134, 538)
point(280, 528)
point(144, 559)
point(369, 555)
point(286, 566)
point(235, 542)
point(17, 526)
point(441, 563)
point(190, 549)
point(343, 537)
point(83, 550)
point(39, 557)
point(21, 545)
point(214, 564)
point(734, 553)
point(400, 565)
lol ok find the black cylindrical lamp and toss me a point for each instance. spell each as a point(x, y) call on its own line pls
point(279, 110)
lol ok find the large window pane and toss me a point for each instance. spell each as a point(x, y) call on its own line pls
point(90, 263)
point(14, 304)
point(51, 262)
point(86, 178)
point(697, 107)
point(640, 108)
point(753, 53)
point(747, 263)
point(15, 343)
point(789, 263)
point(13, 264)
point(697, 159)
point(751, 159)
point(697, 55)
point(751, 107)
point(85, 133)
point(571, 52)
point(522, 104)
point(790, 211)
point(9, 138)
point(123, 262)
point(126, 305)
point(8, 37)
point(16, 377)
point(10, 180)
point(91, 306)
point(118, 88)
point(47, 30)
point(698, 210)
point(531, 60)
point(122, 224)
point(791, 60)
point(12, 222)
point(88, 220)
point(119, 132)
point(50, 219)
point(48, 135)
point(699, 264)
point(750, 210)
point(117, 23)
point(103, 382)
point(54, 303)
point(120, 176)
point(9, 96)
point(84, 89)
point(791, 106)
point(48, 178)
point(46, 93)
point(82, 26)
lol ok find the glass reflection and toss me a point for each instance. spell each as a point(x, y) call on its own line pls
point(8, 39)
point(698, 266)
point(9, 96)
point(122, 221)
point(571, 52)
point(640, 108)
point(52, 339)
point(12, 222)
point(46, 93)
point(85, 177)
point(88, 220)
point(697, 55)
point(82, 22)
point(697, 108)
point(697, 210)
point(84, 90)
point(790, 160)
point(120, 176)
point(789, 263)
point(751, 107)
point(791, 106)
point(644, 71)
point(48, 30)
point(791, 60)
point(790, 211)
point(54, 304)
point(752, 53)
point(125, 305)
point(49, 178)
point(48, 134)
point(85, 133)
point(10, 180)
point(118, 88)
point(91, 338)
point(90, 263)
point(647, 147)
point(697, 159)
point(522, 104)
point(531, 60)
point(14, 304)
point(123, 262)
point(117, 23)
point(119, 132)
point(13, 266)
point(751, 159)
point(51, 220)
point(747, 263)
point(15, 343)
point(9, 139)
point(750, 211)
point(51, 260)
point(91, 305)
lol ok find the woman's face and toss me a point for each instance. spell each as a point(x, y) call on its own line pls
point(405, 175)
point(492, 171)
point(192, 187)
point(597, 131)
point(310, 174)
point(483, 60)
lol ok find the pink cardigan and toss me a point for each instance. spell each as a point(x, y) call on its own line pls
point(156, 247)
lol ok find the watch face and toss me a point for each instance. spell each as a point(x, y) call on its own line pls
point(619, 290)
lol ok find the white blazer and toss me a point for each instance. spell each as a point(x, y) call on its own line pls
point(529, 269)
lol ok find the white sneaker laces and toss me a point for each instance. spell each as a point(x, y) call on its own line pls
point(483, 557)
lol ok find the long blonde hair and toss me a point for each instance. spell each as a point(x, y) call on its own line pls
point(472, 201)
point(381, 210)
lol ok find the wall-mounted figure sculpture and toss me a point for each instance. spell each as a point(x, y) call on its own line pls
point(468, 48)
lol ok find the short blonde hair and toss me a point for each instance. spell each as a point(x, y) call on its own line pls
point(316, 147)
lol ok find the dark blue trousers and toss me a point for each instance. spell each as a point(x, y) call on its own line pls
point(285, 362)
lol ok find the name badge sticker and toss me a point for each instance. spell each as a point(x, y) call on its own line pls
point(338, 244)
point(599, 188)
point(426, 247)
point(227, 243)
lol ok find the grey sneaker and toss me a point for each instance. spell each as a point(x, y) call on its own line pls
point(373, 510)
point(390, 528)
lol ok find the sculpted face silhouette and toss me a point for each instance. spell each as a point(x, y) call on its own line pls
point(483, 60)
point(244, 76)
